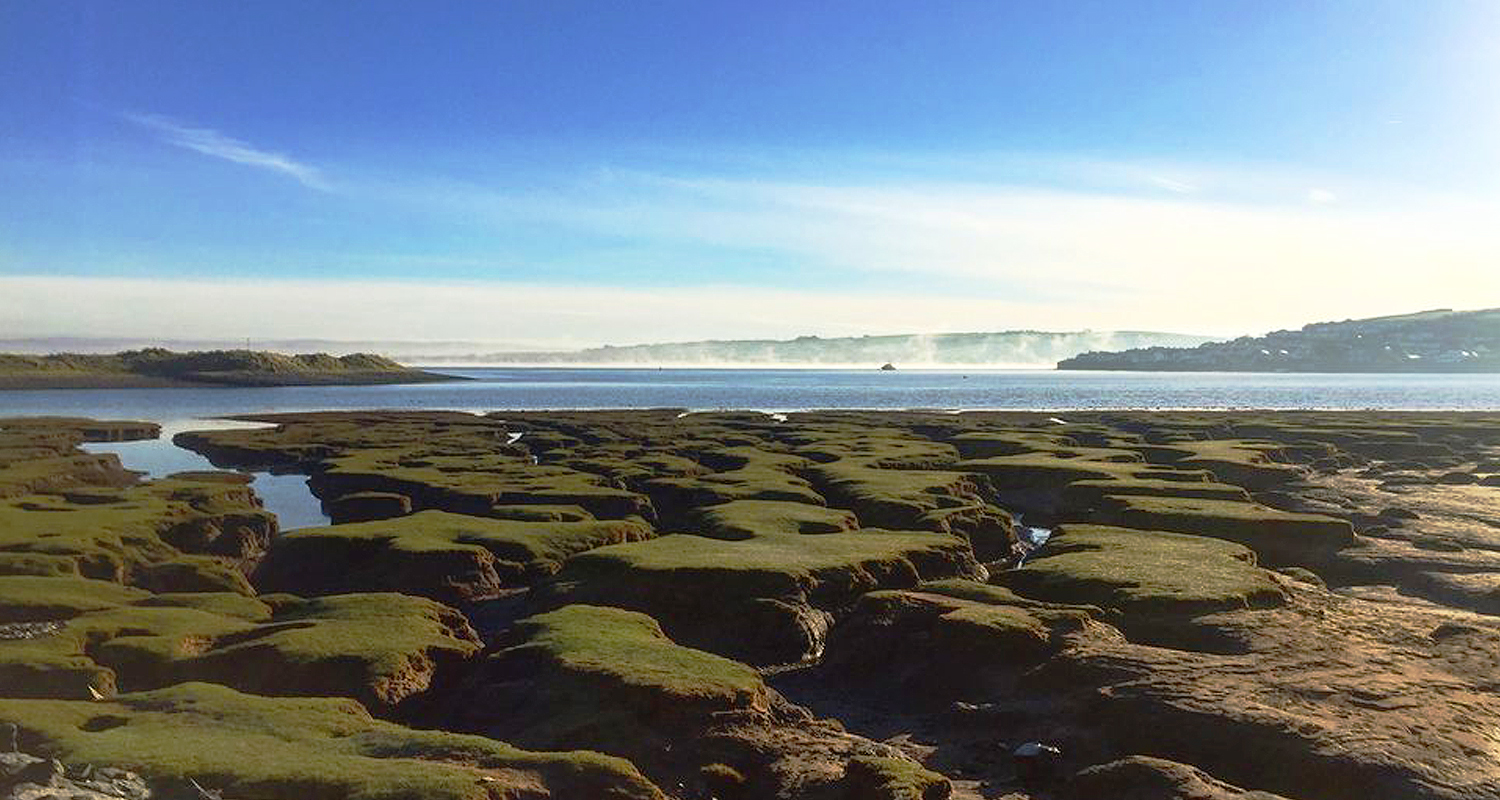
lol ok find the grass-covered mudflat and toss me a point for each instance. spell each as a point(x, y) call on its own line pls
point(1144, 571)
point(820, 606)
point(262, 748)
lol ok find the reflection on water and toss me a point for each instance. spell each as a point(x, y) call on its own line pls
point(286, 496)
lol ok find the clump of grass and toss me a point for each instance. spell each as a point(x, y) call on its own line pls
point(260, 748)
point(1145, 572)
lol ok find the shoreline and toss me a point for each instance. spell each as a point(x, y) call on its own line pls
point(43, 381)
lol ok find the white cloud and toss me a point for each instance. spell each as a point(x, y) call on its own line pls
point(1321, 197)
point(210, 142)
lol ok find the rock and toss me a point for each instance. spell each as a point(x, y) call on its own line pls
point(1036, 763)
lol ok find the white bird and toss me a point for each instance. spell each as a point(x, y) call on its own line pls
point(94, 693)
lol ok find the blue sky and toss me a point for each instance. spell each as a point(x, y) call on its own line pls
point(574, 173)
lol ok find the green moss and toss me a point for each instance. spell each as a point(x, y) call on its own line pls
point(779, 588)
point(1034, 471)
point(31, 597)
point(37, 564)
point(1278, 537)
point(473, 482)
point(1141, 571)
point(627, 651)
point(776, 561)
point(1087, 494)
point(742, 519)
point(876, 778)
point(145, 534)
point(450, 557)
point(377, 648)
point(260, 748)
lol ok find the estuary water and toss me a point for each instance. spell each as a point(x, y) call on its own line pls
point(515, 388)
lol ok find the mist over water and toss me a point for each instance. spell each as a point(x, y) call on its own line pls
point(1005, 349)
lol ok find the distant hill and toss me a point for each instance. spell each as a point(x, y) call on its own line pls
point(154, 367)
point(1430, 341)
point(999, 349)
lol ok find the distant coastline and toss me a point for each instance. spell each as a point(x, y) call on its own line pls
point(154, 368)
point(1439, 341)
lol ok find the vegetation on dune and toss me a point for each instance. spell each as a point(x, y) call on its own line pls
point(224, 367)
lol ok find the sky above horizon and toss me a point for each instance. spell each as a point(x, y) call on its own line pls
point(569, 174)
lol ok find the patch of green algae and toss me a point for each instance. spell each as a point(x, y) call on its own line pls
point(628, 649)
point(742, 519)
point(1140, 571)
point(366, 646)
point(259, 748)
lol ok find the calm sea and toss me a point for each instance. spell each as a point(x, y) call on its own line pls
point(789, 390)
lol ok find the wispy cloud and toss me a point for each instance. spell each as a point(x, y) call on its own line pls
point(210, 142)
point(1171, 185)
point(1245, 254)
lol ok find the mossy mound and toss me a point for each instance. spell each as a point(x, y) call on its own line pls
point(167, 534)
point(740, 473)
point(1089, 494)
point(1144, 572)
point(377, 648)
point(259, 748)
point(448, 557)
point(912, 499)
point(992, 443)
point(876, 778)
point(1050, 472)
point(473, 483)
point(743, 519)
point(1279, 538)
point(306, 439)
point(780, 589)
point(928, 642)
point(1248, 463)
point(600, 678)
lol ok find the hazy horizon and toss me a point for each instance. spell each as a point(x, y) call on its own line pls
point(559, 176)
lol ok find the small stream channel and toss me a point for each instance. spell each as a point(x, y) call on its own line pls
point(1032, 538)
point(286, 496)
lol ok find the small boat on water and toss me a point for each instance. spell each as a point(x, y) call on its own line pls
point(888, 367)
